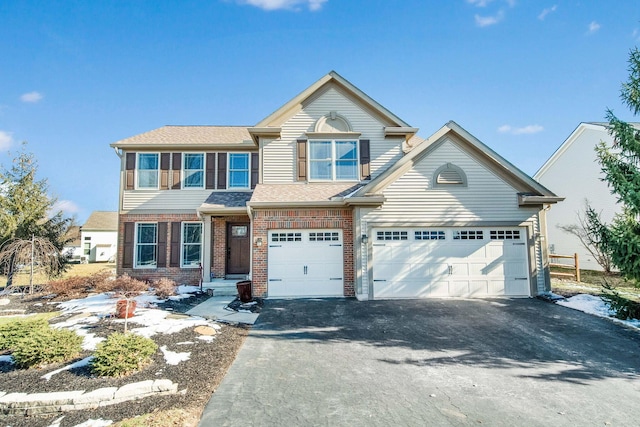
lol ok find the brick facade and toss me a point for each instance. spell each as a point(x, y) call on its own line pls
point(265, 220)
point(189, 276)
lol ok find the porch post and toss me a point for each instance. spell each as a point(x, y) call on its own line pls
point(206, 248)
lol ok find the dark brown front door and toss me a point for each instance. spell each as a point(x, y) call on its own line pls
point(238, 248)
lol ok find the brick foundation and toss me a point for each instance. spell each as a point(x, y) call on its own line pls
point(265, 220)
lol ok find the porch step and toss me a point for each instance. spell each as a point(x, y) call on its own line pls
point(221, 288)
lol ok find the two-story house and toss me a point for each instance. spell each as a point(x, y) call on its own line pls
point(331, 195)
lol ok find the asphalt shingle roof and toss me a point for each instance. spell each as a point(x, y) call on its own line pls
point(189, 135)
point(102, 221)
point(302, 192)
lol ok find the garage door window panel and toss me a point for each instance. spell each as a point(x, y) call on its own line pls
point(429, 235)
point(468, 235)
point(504, 234)
point(392, 235)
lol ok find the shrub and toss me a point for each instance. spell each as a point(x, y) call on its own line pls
point(164, 287)
point(46, 345)
point(122, 354)
point(76, 286)
point(124, 286)
point(12, 332)
point(623, 308)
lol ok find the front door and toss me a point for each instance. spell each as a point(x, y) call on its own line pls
point(238, 248)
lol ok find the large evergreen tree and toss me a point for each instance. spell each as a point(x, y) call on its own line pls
point(26, 209)
point(620, 165)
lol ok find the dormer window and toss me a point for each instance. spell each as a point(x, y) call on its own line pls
point(449, 175)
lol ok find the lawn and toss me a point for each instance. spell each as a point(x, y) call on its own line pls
point(591, 283)
point(22, 278)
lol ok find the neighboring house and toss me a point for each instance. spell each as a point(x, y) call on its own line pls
point(73, 248)
point(573, 171)
point(100, 236)
point(331, 195)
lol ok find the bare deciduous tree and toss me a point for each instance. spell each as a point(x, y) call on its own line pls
point(34, 254)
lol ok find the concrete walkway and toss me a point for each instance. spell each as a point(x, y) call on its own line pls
point(215, 308)
point(436, 362)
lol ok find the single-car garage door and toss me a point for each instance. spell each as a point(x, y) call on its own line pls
point(305, 263)
point(443, 262)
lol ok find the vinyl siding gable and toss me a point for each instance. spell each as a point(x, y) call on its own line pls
point(280, 155)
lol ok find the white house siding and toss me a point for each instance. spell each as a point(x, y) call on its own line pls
point(575, 175)
point(103, 244)
point(279, 156)
point(487, 199)
point(165, 200)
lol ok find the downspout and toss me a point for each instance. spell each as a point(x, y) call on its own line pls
point(250, 214)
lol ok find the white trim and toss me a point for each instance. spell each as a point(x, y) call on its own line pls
point(182, 224)
point(204, 171)
point(137, 172)
point(135, 246)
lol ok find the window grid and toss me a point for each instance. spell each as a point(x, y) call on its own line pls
point(327, 236)
point(238, 170)
point(191, 244)
point(146, 245)
point(391, 235)
point(286, 237)
point(193, 170)
point(468, 235)
point(429, 235)
point(147, 170)
point(504, 234)
point(333, 160)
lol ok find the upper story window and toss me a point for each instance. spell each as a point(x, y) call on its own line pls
point(147, 170)
point(193, 170)
point(333, 160)
point(239, 170)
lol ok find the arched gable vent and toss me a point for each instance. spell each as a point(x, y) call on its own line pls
point(449, 174)
point(332, 123)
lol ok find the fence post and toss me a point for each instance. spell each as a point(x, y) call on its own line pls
point(577, 262)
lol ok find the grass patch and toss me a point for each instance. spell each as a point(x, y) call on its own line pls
point(22, 278)
point(168, 418)
point(5, 320)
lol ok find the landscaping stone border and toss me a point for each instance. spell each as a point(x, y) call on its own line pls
point(63, 401)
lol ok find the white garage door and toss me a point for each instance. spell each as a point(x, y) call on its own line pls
point(442, 262)
point(305, 263)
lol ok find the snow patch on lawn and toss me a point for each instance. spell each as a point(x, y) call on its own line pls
point(78, 364)
point(173, 358)
point(595, 305)
point(206, 338)
point(6, 358)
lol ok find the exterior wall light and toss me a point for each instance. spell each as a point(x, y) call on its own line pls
point(364, 238)
point(258, 241)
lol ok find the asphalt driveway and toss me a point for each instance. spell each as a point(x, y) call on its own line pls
point(340, 362)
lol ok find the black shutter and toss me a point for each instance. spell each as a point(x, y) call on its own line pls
point(255, 167)
point(161, 261)
point(174, 258)
point(130, 166)
point(165, 159)
point(365, 159)
point(302, 159)
point(210, 180)
point(222, 171)
point(176, 165)
point(128, 244)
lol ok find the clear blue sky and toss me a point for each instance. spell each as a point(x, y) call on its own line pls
point(79, 75)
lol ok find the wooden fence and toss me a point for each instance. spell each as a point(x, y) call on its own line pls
point(575, 266)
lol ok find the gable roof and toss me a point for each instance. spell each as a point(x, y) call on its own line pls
point(73, 233)
point(332, 80)
point(531, 191)
point(101, 221)
point(197, 136)
point(602, 126)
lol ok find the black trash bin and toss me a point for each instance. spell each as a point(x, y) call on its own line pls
point(244, 290)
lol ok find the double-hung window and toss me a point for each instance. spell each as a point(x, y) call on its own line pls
point(193, 170)
point(147, 170)
point(146, 245)
point(239, 169)
point(333, 160)
point(191, 244)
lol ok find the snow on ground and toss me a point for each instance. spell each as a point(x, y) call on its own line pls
point(594, 305)
point(6, 358)
point(78, 364)
point(173, 358)
point(89, 423)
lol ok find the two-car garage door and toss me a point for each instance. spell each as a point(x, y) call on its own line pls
point(441, 262)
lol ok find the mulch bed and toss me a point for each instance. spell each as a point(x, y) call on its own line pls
point(199, 376)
